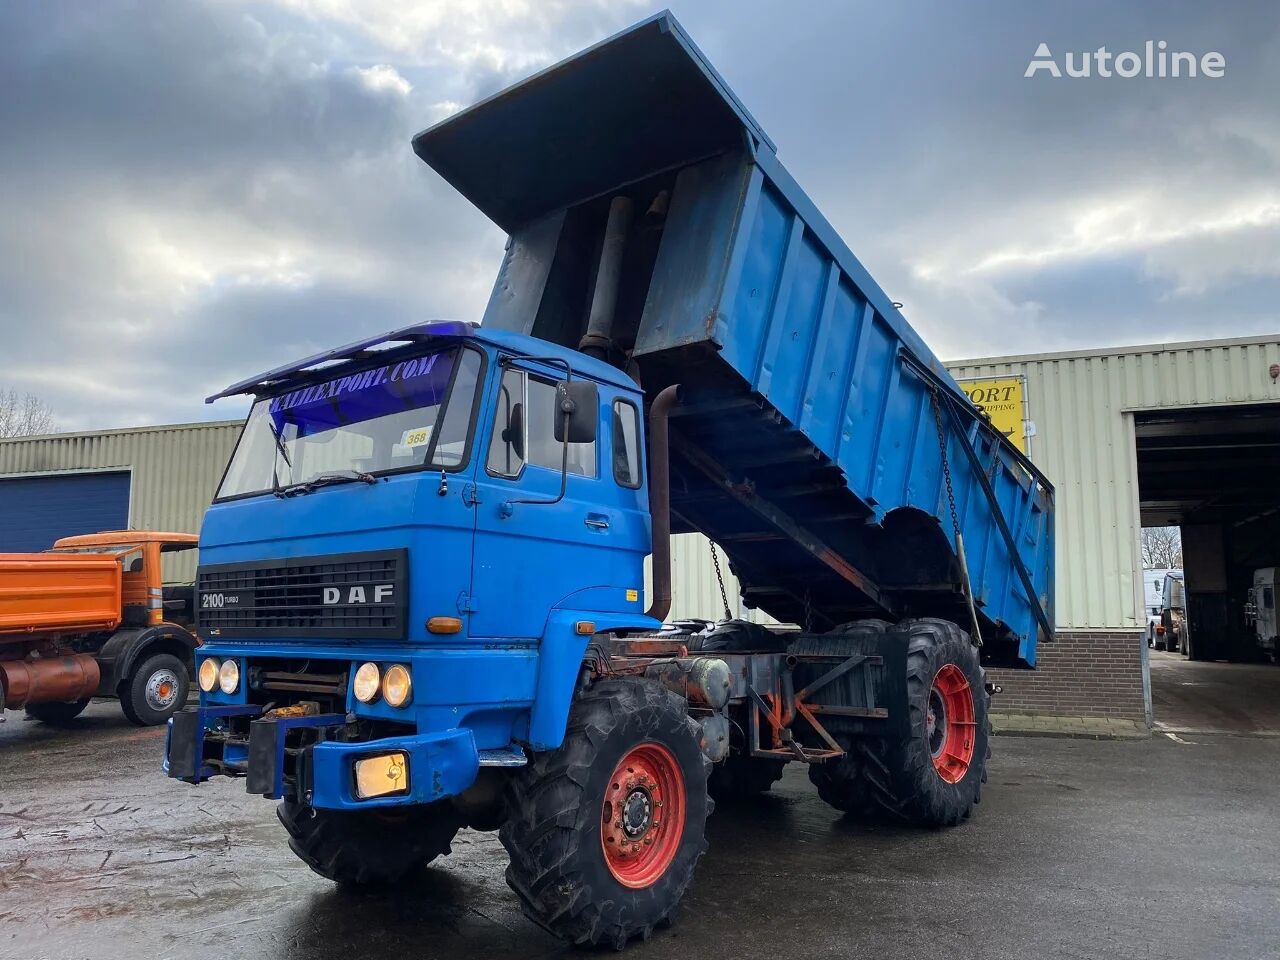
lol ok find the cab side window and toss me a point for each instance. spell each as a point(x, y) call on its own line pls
point(626, 444)
point(524, 430)
point(544, 449)
point(507, 446)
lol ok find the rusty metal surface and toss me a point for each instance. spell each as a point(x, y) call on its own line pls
point(1072, 854)
point(49, 679)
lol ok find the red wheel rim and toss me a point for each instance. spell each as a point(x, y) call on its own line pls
point(642, 816)
point(950, 723)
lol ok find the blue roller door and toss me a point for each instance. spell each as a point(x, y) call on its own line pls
point(35, 511)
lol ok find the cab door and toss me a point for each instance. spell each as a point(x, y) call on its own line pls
point(578, 551)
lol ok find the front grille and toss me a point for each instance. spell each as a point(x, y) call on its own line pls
point(350, 595)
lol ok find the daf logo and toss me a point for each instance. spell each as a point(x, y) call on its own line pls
point(381, 594)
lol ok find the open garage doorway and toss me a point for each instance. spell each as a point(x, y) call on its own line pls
point(1214, 473)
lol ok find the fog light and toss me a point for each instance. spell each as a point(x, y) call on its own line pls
point(383, 775)
point(209, 674)
point(229, 676)
point(397, 685)
point(365, 684)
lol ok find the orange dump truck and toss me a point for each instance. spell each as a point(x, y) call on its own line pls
point(93, 617)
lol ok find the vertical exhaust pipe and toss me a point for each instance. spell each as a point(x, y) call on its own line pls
point(660, 500)
point(604, 299)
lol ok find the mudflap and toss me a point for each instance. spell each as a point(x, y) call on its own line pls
point(877, 684)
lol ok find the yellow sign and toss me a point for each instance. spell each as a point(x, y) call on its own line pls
point(1004, 400)
point(416, 437)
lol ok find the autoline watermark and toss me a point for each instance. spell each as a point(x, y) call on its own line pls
point(1155, 60)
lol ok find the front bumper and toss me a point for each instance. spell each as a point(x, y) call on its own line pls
point(321, 774)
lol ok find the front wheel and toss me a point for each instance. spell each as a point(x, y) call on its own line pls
point(604, 832)
point(57, 714)
point(156, 691)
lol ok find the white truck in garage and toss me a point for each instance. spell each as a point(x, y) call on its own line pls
point(1261, 610)
point(1153, 601)
point(1172, 633)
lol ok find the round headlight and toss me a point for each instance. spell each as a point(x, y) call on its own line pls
point(209, 674)
point(365, 685)
point(229, 676)
point(397, 685)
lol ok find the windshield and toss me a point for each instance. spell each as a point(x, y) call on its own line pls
point(409, 414)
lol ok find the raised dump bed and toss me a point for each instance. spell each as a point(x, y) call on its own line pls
point(808, 441)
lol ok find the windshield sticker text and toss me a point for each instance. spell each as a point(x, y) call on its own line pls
point(356, 382)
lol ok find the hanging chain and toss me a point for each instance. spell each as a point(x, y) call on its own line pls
point(946, 464)
point(808, 612)
point(724, 595)
point(955, 519)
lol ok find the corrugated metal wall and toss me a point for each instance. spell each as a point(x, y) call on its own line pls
point(175, 470)
point(1082, 405)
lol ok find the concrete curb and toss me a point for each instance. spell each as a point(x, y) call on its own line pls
point(1070, 728)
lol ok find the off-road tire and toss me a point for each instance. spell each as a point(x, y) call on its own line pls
point(369, 847)
point(133, 690)
point(553, 834)
point(894, 778)
point(57, 714)
point(738, 636)
point(740, 777)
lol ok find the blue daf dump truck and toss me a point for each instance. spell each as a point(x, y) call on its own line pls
point(421, 589)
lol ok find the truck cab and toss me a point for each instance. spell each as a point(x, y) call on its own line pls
point(406, 537)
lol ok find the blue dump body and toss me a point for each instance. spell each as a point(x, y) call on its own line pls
point(807, 444)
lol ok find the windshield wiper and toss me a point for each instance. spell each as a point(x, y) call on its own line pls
point(325, 480)
point(280, 448)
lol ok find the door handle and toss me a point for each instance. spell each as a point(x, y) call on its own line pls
point(597, 521)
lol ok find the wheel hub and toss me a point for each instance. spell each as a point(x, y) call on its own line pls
point(936, 722)
point(951, 723)
point(637, 811)
point(642, 815)
point(162, 689)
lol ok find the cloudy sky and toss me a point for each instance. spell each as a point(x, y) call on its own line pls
point(191, 191)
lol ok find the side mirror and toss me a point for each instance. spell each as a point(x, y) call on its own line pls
point(580, 399)
point(513, 435)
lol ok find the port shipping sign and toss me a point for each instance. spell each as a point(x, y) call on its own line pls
point(1004, 400)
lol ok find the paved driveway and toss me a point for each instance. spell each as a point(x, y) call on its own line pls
point(1155, 849)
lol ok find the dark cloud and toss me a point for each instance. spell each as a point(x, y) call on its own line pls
point(195, 191)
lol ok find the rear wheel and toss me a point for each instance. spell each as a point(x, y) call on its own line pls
point(933, 775)
point(156, 691)
point(740, 777)
point(605, 831)
point(57, 714)
point(369, 847)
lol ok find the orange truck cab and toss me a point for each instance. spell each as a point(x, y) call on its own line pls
point(94, 617)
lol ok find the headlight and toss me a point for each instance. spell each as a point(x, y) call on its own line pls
point(209, 674)
point(229, 676)
point(365, 685)
point(397, 686)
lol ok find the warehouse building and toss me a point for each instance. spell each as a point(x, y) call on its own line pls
point(1181, 434)
point(145, 478)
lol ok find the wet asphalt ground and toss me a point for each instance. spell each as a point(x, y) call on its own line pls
point(1168, 848)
